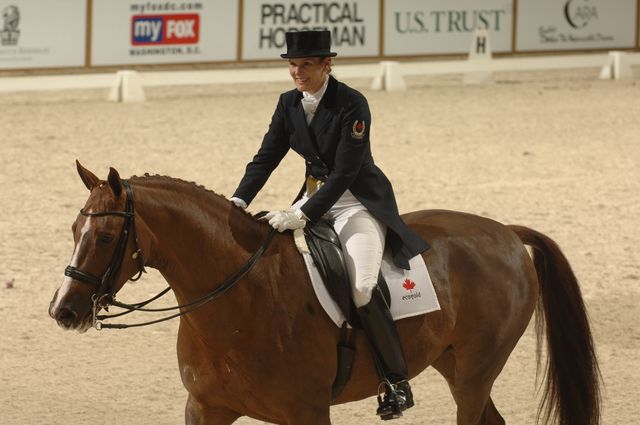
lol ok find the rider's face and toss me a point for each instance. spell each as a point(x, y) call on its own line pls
point(309, 73)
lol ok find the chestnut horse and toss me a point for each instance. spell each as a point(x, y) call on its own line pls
point(267, 350)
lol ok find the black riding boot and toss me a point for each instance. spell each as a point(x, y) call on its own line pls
point(383, 336)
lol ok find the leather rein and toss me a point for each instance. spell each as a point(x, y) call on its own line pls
point(105, 294)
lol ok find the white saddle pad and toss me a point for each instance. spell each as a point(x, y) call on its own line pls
point(411, 291)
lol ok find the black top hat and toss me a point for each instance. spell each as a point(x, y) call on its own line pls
point(308, 44)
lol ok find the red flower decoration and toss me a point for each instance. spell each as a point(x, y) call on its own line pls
point(408, 284)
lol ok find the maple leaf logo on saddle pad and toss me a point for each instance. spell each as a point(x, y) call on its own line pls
point(408, 284)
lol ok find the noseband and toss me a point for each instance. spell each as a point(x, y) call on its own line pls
point(104, 285)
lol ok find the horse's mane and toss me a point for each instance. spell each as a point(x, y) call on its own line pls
point(148, 178)
point(188, 187)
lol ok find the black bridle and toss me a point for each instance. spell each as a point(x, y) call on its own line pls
point(105, 284)
point(105, 295)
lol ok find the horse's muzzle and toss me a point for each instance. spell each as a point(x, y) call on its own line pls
point(68, 317)
point(69, 320)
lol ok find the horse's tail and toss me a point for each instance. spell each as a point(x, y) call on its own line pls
point(572, 388)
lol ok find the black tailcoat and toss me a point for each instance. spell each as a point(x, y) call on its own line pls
point(337, 151)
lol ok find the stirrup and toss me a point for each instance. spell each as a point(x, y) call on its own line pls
point(397, 398)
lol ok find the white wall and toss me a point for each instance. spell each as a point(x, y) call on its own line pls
point(42, 34)
point(53, 33)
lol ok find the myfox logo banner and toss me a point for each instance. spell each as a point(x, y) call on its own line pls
point(165, 29)
point(354, 25)
point(575, 24)
point(161, 31)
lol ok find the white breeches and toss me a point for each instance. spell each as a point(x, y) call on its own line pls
point(362, 237)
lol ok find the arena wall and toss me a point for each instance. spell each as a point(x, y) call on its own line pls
point(89, 35)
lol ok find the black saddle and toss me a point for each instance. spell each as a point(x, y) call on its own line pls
point(328, 257)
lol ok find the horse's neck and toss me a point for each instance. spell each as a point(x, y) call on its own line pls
point(195, 239)
point(196, 247)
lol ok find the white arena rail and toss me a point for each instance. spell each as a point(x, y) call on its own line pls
point(277, 74)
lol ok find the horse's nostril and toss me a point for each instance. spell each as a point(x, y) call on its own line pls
point(66, 317)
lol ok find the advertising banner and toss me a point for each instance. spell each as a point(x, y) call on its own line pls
point(161, 31)
point(418, 27)
point(575, 24)
point(42, 34)
point(354, 26)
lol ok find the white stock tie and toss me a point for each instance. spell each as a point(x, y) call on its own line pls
point(309, 104)
point(310, 101)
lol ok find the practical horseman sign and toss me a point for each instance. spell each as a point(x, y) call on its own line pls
point(354, 26)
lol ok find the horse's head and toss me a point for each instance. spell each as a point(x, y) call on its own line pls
point(106, 252)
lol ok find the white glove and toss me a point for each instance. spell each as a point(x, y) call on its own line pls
point(286, 220)
point(239, 202)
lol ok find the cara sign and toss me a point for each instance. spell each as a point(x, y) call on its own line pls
point(575, 24)
point(354, 26)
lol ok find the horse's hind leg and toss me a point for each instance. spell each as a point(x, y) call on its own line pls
point(475, 406)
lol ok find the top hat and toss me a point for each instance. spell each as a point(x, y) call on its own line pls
point(308, 44)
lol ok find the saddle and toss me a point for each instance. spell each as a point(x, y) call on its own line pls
point(326, 252)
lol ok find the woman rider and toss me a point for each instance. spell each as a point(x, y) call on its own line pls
point(328, 124)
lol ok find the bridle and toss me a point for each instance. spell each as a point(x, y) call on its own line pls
point(104, 285)
point(105, 294)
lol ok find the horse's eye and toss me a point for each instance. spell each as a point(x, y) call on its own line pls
point(105, 238)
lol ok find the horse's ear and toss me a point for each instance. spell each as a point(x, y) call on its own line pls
point(88, 178)
point(114, 182)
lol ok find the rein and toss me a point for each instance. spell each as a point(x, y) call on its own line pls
point(229, 283)
point(105, 296)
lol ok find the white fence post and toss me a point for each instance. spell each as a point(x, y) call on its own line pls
point(618, 66)
point(479, 58)
point(390, 77)
point(127, 88)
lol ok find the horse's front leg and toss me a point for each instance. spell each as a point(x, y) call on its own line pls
point(309, 415)
point(196, 413)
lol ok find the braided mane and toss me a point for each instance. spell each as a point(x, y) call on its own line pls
point(174, 180)
point(185, 186)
